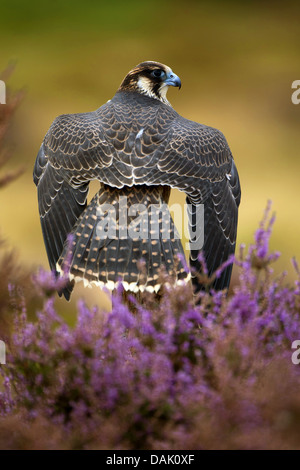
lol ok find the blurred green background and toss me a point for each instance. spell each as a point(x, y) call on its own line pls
point(237, 62)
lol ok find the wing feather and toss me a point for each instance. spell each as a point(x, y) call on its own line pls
point(59, 206)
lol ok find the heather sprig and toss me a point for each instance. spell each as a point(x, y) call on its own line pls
point(50, 282)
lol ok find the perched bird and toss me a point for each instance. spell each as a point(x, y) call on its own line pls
point(138, 147)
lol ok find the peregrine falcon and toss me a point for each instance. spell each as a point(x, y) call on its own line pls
point(138, 148)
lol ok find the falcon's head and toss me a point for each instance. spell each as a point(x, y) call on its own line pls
point(151, 79)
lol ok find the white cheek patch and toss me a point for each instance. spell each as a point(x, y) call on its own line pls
point(144, 85)
point(163, 92)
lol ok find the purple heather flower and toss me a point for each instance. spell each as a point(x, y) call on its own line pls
point(202, 261)
point(168, 366)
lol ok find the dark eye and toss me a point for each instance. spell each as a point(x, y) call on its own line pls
point(158, 73)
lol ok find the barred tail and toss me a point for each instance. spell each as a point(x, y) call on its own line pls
point(118, 229)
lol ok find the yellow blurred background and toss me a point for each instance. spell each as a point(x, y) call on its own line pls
point(236, 60)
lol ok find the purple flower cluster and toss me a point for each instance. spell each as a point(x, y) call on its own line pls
point(156, 375)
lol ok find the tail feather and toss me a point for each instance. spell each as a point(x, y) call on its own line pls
point(167, 254)
point(84, 235)
point(106, 254)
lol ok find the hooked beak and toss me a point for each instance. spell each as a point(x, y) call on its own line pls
point(173, 80)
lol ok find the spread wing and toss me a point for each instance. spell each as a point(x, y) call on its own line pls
point(136, 140)
point(60, 205)
point(219, 229)
point(63, 168)
point(198, 161)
